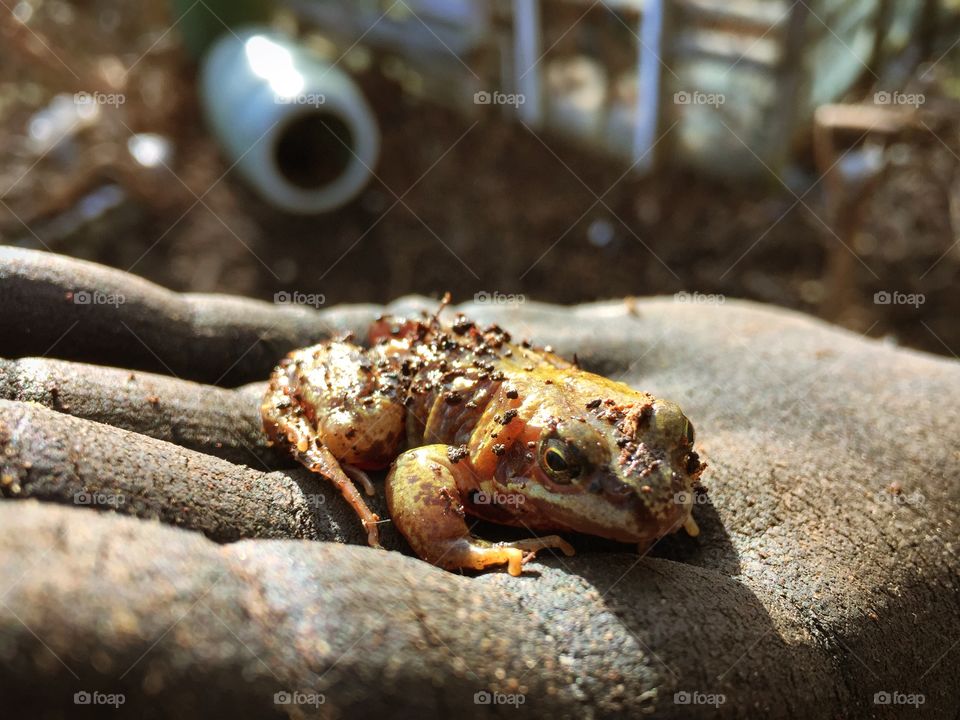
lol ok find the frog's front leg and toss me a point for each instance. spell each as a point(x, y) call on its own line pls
point(425, 501)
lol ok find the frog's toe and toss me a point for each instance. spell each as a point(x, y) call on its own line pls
point(532, 545)
point(373, 532)
point(359, 476)
point(478, 557)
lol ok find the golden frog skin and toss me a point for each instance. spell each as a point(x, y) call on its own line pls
point(494, 430)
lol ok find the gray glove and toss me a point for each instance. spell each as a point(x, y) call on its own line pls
point(815, 588)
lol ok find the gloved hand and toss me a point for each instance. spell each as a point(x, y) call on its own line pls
point(815, 588)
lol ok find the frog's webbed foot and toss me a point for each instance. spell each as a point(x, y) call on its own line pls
point(425, 505)
point(473, 552)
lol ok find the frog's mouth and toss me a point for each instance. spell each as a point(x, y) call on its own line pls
point(628, 510)
point(661, 494)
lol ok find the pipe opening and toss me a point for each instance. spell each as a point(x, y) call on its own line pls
point(314, 150)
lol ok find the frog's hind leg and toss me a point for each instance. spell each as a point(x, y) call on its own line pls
point(316, 458)
point(425, 504)
point(339, 412)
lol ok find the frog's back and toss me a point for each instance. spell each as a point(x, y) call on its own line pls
point(455, 374)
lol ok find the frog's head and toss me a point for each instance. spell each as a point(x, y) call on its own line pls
point(621, 466)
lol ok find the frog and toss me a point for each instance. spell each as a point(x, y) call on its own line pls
point(473, 425)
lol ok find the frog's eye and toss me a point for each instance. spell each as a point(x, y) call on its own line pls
point(559, 461)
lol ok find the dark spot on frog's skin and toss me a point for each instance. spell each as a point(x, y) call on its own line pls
point(351, 433)
point(457, 453)
point(512, 393)
point(499, 449)
point(452, 505)
point(453, 398)
point(461, 325)
point(593, 404)
point(507, 417)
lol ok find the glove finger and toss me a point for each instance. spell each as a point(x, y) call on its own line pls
point(76, 310)
point(62, 459)
point(205, 418)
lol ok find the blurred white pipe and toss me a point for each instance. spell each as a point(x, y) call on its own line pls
point(298, 129)
point(648, 81)
point(526, 53)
